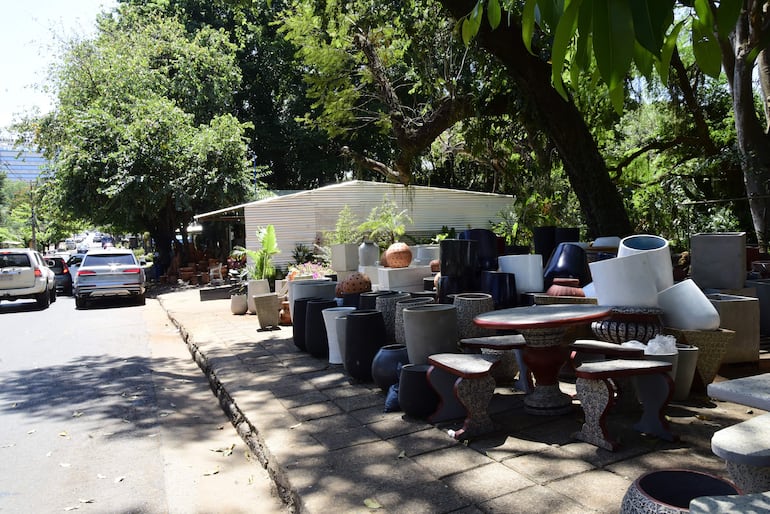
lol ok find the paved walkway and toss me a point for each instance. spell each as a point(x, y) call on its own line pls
point(329, 446)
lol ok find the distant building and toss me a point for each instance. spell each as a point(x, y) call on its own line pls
point(20, 163)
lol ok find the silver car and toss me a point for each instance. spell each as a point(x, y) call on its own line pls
point(110, 272)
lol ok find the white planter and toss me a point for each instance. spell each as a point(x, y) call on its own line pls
point(423, 254)
point(686, 307)
point(345, 257)
point(624, 281)
point(330, 321)
point(528, 270)
point(255, 287)
point(659, 253)
point(718, 260)
point(239, 304)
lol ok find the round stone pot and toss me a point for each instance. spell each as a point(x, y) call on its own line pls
point(385, 365)
point(659, 253)
point(364, 336)
point(398, 321)
point(670, 491)
point(415, 394)
point(330, 316)
point(469, 305)
point(316, 341)
point(386, 304)
point(430, 329)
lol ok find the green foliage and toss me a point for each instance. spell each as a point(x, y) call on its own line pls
point(385, 223)
point(345, 230)
point(260, 263)
point(302, 254)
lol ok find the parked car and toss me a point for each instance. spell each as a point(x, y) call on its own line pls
point(110, 272)
point(62, 274)
point(73, 263)
point(24, 274)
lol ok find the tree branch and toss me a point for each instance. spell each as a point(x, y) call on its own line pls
point(370, 164)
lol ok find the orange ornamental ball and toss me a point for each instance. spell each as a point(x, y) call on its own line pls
point(355, 283)
point(399, 255)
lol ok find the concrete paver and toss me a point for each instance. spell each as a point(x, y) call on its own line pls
point(329, 447)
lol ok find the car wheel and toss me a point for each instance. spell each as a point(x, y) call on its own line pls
point(43, 299)
point(80, 302)
point(67, 291)
point(53, 294)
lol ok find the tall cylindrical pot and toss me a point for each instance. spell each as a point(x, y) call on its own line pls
point(685, 371)
point(624, 281)
point(294, 285)
point(544, 240)
point(385, 365)
point(368, 299)
point(486, 246)
point(502, 287)
point(398, 321)
point(316, 341)
point(458, 257)
point(330, 316)
point(415, 395)
point(430, 329)
point(657, 249)
point(299, 322)
point(386, 304)
point(364, 336)
point(470, 305)
point(528, 270)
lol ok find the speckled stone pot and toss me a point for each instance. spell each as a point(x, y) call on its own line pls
point(386, 304)
point(669, 491)
point(470, 305)
point(629, 323)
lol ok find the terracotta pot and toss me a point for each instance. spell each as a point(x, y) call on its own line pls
point(565, 287)
point(398, 255)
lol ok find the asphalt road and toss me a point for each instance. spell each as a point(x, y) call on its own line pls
point(102, 410)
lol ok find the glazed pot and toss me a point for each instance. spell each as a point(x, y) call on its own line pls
point(430, 329)
point(316, 340)
point(368, 254)
point(299, 322)
point(544, 240)
point(659, 253)
point(330, 316)
point(385, 365)
point(368, 300)
point(528, 270)
point(364, 336)
point(502, 287)
point(448, 286)
point(486, 247)
point(624, 281)
point(670, 491)
point(458, 257)
point(568, 260)
point(686, 307)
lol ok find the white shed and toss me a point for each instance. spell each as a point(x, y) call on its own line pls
point(304, 216)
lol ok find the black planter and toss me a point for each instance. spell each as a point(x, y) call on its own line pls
point(567, 261)
point(544, 239)
point(566, 235)
point(364, 336)
point(385, 365)
point(351, 299)
point(486, 247)
point(415, 394)
point(368, 300)
point(448, 286)
point(298, 322)
point(458, 257)
point(316, 340)
point(516, 249)
point(502, 287)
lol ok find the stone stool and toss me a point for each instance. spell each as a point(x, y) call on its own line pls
point(508, 349)
point(745, 447)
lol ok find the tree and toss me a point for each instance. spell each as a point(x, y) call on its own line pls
point(141, 137)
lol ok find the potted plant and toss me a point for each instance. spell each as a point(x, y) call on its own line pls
point(385, 225)
point(509, 228)
point(344, 241)
point(238, 300)
point(259, 267)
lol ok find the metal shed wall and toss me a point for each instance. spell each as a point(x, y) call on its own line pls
point(303, 216)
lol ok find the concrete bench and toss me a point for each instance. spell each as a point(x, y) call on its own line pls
point(597, 392)
point(508, 348)
point(750, 391)
point(745, 504)
point(745, 448)
point(465, 387)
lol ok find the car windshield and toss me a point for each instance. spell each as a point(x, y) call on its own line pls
point(108, 260)
point(14, 260)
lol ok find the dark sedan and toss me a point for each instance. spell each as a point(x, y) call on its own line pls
point(62, 275)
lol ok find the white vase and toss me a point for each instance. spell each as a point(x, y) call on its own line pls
point(255, 287)
point(685, 371)
point(659, 253)
point(527, 268)
point(686, 307)
point(239, 304)
point(624, 282)
point(330, 321)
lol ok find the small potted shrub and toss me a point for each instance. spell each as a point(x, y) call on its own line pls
point(385, 226)
point(259, 266)
point(344, 241)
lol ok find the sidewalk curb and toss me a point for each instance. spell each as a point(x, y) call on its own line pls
point(246, 430)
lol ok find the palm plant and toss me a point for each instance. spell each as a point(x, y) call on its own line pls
point(260, 263)
point(385, 224)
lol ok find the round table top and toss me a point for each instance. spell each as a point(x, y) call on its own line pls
point(542, 316)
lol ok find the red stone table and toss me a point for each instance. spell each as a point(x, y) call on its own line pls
point(543, 328)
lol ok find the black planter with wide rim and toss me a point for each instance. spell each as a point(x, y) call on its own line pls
point(298, 322)
point(416, 396)
point(316, 339)
point(364, 336)
point(458, 257)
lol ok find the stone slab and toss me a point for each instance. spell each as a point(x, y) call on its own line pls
point(750, 391)
point(746, 443)
point(215, 293)
point(746, 504)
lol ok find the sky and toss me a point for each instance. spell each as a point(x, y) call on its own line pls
point(29, 31)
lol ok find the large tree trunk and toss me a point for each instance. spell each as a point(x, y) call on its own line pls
point(600, 201)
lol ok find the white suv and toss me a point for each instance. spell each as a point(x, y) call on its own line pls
point(23, 274)
point(110, 272)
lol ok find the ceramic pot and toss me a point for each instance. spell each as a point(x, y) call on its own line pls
point(298, 289)
point(351, 299)
point(430, 329)
point(415, 395)
point(528, 270)
point(316, 340)
point(386, 304)
point(624, 281)
point(368, 254)
point(486, 247)
point(398, 320)
point(285, 313)
point(712, 346)
point(501, 286)
point(669, 491)
point(342, 328)
point(426, 253)
point(399, 255)
point(565, 287)
point(330, 316)
point(385, 365)
point(685, 371)
point(368, 300)
point(566, 235)
point(239, 304)
point(268, 309)
point(629, 324)
point(355, 283)
point(364, 336)
point(299, 320)
point(458, 257)
point(255, 287)
point(686, 307)
point(470, 305)
point(658, 250)
point(448, 286)
point(567, 261)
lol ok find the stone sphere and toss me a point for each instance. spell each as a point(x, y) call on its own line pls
point(398, 255)
point(355, 283)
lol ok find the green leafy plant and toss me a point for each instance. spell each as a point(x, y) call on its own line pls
point(346, 230)
point(302, 253)
point(385, 224)
point(446, 233)
point(260, 263)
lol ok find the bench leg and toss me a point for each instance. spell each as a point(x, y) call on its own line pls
point(654, 392)
point(596, 398)
point(749, 479)
point(475, 395)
